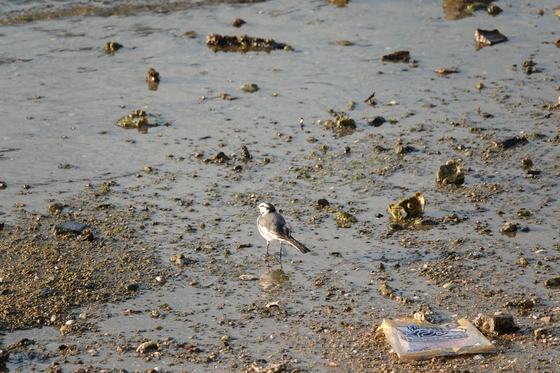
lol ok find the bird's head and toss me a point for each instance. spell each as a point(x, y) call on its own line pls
point(266, 207)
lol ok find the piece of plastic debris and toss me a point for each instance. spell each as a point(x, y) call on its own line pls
point(417, 340)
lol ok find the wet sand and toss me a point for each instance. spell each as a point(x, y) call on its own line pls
point(228, 306)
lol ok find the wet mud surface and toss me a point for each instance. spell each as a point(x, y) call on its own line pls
point(175, 278)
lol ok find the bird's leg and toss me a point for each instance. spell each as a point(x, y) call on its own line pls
point(280, 251)
point(267, 244)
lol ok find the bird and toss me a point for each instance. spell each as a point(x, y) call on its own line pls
point(273, 227)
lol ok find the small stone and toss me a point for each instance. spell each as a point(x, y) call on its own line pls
point(526, 304)
point(322, 202)
point(450, 173)
point(238, 22)
point(385, 290)
point(249, 88)
point(496, 324)
point(376, 121)
point(221, 157)
point(69, 227)
point(55, 208)
point(345, 122)
point(147, 346)
point(344, 219)
point(540, 332)
point(552, 282)
point(112, 47)
point(509, 227)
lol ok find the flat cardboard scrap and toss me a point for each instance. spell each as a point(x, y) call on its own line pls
point(417, 340)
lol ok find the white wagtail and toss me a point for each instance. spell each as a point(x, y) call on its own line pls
point(273, 227)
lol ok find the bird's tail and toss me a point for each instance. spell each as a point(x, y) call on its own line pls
point(301, 247)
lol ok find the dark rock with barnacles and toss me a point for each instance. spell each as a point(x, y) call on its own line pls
point(242, 43)
point(139, 119)
point(400, 56)
point(450, 173)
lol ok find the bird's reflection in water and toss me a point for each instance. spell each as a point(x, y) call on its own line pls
point(274, 280)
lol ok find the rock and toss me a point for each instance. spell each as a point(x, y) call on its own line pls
point(242, 43)
point(450, 173)
point(552, 282)
point(4, 356)
point(540, 332)
point(112, 47)
point(322, 202)
point(400, 56)
point(147, 346)
point(345, 122)
point(526, 304)
point(496, 324)
point(87, 235)
point(139, 119)
point(221, 158)
point(69, 227)
point(249, 88)
point(238, 22)
point(344, 219)
point(511, 142)
point(396, 227)
point(376, 121)
point(385, 290)
point(510, 226)
point(55, 208)
point(488, 37)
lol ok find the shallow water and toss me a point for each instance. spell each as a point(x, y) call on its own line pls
point(83, 92)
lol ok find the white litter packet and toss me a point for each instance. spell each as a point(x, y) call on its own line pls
point(416, 340)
